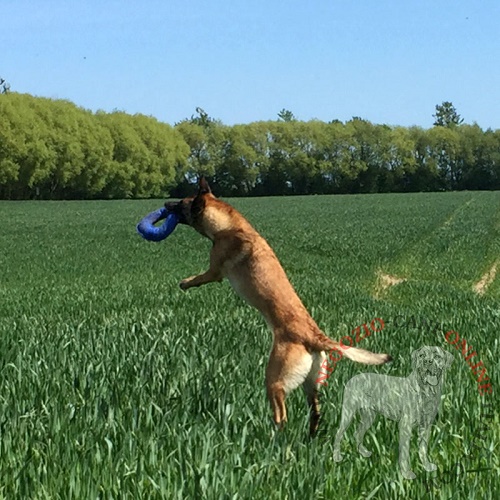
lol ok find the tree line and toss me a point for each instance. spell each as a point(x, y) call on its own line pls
point(52, 149)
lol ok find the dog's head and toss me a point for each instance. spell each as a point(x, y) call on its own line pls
point(203, 211)
point(189, 209)
point(430, 363)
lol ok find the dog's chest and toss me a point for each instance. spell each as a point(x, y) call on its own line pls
point(242, 286)
point(428, 404)
point(395, 401)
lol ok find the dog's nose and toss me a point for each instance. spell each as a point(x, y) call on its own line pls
point(172, 206)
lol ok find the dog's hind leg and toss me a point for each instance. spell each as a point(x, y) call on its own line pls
point(310, 387)
point(367, 418)
point(349, 409)
point(276, 396)
point(287, 369)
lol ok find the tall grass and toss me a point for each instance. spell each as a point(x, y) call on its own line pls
point(116, 384)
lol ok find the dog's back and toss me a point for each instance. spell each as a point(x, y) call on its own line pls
point(387, 395)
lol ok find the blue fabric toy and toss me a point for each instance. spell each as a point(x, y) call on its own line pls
point(147, 229)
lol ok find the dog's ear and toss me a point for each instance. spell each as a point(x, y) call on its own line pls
point(204, 188)
point(449, 359)
point(447, 356)
point(414, 358)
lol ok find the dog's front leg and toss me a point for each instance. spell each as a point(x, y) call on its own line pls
point(201, 279)
point(213, 274)
point(405, 426)
point(423, 440)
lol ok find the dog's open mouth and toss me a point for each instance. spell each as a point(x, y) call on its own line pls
point(176, 208)
point(431, 376)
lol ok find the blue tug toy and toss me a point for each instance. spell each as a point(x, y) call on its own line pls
point(147, 229)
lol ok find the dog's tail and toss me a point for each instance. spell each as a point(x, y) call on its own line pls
point(367, 357)
point(324, 343)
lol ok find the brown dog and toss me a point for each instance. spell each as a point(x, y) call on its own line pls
point(244, 257)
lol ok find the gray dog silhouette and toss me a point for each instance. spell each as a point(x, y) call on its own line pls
point(412, 401)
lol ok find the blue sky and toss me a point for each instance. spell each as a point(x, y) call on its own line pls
point(241, 61)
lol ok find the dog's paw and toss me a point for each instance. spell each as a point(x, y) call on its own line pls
point(184, 284)
point(337, 456)
point(364, 452)
point(429, 467)
point(408, 474)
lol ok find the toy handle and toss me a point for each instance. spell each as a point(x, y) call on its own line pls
point(147, 229)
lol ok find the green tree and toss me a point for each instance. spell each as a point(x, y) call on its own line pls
point(286, 115)
point(237, 172)
point(425, 177)
point(12, 148)
point(148, 158)
point(400, 160)
point(368, 153)
point(29, 146)
point(307, 162)
point(446, 115)
point(202, 119)
point(54, 149)
point(273, 178)
point(205, 137)
point(342, 164)
point(444, 149)
point(4, 86)
point(479, 158)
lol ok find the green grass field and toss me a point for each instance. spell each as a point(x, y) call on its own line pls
point(116, 384)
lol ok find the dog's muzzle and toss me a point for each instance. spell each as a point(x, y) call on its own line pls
point(431, 374)
point(176, 208)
